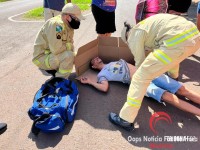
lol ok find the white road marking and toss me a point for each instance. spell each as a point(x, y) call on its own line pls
point(11, 18)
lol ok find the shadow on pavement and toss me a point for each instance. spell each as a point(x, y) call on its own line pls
point(46, 140)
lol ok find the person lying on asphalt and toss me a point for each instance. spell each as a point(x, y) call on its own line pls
point(161, 89)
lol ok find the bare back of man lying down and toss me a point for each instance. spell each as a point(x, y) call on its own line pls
point(162, 88)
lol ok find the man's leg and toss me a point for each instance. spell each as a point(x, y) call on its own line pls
point(175, 101)
point(149, 69)
point(47, 14)
point(154, 65)
point(56, 13)
point(174, 72)
point(66, 60)
point(48, 64)
point(191, 95)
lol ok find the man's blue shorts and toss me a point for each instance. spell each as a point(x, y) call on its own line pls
point(161, 84)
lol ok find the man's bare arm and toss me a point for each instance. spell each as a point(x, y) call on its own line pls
point(103, 86)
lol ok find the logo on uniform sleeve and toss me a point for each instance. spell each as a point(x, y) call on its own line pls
point(58, 35)
point(58, 28)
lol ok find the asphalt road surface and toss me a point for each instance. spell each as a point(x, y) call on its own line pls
point(20, 79)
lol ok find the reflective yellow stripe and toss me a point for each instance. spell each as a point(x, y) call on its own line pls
point(142, 22)
point(133, 102)
point(160, 55)
point(36, 62)
point(47, 61)
point(69, 46)
point(46, 51)
point(64, 71)
point(182, 37)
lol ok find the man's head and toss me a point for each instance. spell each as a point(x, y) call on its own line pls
point(125, 30)
point(96, 63)
point(71, 14)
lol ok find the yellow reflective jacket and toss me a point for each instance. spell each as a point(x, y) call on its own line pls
point(164, 31)
point(54, 37)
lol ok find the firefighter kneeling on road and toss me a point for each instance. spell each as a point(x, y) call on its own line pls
point(169, 39)
point(53, 47)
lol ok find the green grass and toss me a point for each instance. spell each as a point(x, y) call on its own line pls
point(4, 0)
point(83, 7)
point(81, 1)
point(83, 4)
point(37, 13)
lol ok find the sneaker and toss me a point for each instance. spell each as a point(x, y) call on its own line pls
point(115, 119)
point(3, 127)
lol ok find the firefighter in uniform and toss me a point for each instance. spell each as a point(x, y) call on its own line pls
point(170, 39)
point(53, 47)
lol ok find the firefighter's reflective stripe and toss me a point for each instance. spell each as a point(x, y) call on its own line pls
point(160, 55)
point(62, 71)
point(133, 102)
point(181, 37)
point(46, 51)
point(36, 62)
point(47, 62)
point(142, 22)
point(69, 46)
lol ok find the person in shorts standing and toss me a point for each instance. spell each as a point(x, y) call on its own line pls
point(52, 8)
point(104, 15)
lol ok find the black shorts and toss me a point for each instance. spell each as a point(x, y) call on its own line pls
point(179, 5)
point(105, 21)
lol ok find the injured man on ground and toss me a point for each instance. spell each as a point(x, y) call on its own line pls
point(162, 88)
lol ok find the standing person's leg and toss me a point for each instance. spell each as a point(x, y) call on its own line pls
point(105, 21)
point(56, 13)
point(110, 23)
point(154, 65)
point(47, 14)
point(97, 14)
